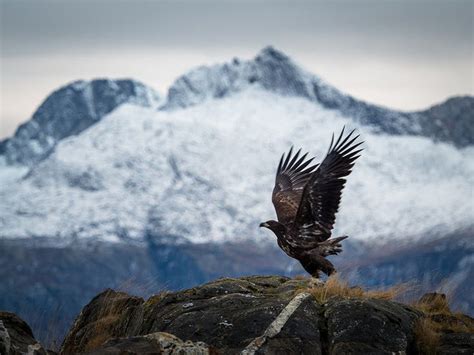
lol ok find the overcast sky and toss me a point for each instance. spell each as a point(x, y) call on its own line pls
point(402, 54)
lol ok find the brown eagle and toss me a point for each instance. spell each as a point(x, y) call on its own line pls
point(306, 199)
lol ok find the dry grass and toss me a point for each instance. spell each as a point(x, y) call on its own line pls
point(430, 328)
point(136, 287)
point(153, 300)
point(437, 320)
point(103, 330)
point(427, 336)
point(433, 303)
point(112, 309)
point(436, 308)
point(107, 318)
point(337, 287)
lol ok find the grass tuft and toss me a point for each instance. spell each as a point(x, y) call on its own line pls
point(427, 336)
point(337, 287)
point(433, 303)
point(437, 320)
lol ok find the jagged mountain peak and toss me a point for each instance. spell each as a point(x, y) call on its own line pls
point(271, 69)
point(68, 111)
point(271, 51)
point(276, 72)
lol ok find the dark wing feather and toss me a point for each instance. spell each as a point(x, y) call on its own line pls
point(292, 175)
point(322, 194)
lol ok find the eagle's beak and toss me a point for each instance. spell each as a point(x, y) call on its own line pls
point(264, 224)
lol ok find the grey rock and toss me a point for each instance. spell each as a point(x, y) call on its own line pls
point(456, 330)
point(370, 326)
point(17, 338)
point(301, 334)
point(5, 341)
point(456, 343)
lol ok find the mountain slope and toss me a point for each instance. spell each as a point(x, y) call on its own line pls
point(69, 111)
point(205, 173)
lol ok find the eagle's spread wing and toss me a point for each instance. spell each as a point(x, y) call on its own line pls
point(292, 175)
point(322, 194)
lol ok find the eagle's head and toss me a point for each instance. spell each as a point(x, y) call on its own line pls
point(275, 226)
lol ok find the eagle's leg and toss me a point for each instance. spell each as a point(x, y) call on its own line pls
point(314, 262)
point(331, 246)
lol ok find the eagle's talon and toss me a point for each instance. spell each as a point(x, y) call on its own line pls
point(315, 282)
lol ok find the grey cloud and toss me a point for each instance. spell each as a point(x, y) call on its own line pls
point(36, 26)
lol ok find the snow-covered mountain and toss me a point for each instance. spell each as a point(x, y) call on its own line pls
point(69, 111)
point(201, 168)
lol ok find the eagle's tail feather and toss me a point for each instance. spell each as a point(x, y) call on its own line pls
point(331, 246)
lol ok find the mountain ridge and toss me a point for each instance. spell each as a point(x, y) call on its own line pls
point(449, 121)
point(275, 71)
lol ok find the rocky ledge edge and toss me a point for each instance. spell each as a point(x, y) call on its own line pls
point(251, 315)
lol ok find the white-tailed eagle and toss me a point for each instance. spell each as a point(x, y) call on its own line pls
point(306, 199)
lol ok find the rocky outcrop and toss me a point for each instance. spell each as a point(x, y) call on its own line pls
point(226, 314)
point(255, 315)
point(69, 111)
point(68, 282)
point(17, 338)
point(250, 315)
